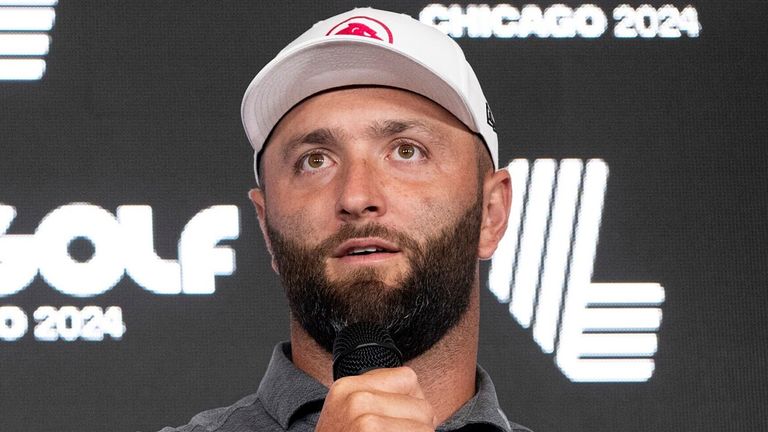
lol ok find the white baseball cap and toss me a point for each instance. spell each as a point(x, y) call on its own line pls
point(367, 46)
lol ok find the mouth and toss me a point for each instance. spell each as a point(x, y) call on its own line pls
point(365, 248)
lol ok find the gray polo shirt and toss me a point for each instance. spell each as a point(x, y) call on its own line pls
point(290, 400)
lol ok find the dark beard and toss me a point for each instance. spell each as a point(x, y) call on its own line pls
point(417, 312)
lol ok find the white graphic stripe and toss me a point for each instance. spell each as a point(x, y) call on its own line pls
point(616, 345)
point(625, 293)
point(621, 319)
point(24, 19)
point(500, 275)
point(26, 69)
point(613, 370)
point(526, 275)
point(28, 2)
point(24, 44)
point(558, 246)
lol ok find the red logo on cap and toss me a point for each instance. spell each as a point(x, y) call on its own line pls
point(362, 26)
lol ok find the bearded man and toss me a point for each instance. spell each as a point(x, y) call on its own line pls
point(378, 194)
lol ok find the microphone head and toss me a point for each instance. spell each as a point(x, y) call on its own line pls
point(361, 347)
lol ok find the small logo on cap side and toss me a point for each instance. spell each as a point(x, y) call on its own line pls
point(489, 117)
point(362, 26)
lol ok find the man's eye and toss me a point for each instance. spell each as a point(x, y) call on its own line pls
point(313, 161)
point(407, 151)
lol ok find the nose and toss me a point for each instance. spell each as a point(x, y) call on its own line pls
point(360, 192)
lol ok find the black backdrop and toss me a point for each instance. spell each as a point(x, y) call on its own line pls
point(140, 106)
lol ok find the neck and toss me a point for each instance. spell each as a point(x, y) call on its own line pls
point(446, 371)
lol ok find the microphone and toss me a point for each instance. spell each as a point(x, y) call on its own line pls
point(361, 347)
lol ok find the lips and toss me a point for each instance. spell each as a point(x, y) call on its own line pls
point(364, 247)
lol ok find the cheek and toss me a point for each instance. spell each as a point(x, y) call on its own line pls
point(426, 215)
point(294, 222)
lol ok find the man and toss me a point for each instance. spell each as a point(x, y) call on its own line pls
point(374, 153)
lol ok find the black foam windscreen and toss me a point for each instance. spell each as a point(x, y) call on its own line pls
point(361, 347)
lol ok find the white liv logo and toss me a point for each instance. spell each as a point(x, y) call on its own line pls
point(122, 243)
point(543, 269)
point(24, 40)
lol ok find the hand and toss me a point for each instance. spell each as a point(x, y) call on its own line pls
point(379, 400)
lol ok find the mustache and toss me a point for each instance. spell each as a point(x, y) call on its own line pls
point(372, 229)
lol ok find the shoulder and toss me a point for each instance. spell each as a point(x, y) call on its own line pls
point(247, 414)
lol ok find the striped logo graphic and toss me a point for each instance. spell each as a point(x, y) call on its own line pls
point(24, 41)
point(598, 332)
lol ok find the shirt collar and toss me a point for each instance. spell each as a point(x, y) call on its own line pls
point(285, 389)
point(483, 408)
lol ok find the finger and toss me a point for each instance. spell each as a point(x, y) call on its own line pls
point(374, 423)
point(392, 405)
point(401, 380)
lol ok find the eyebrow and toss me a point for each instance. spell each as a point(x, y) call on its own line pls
point(388, 128)
point(380, 129)
point(321, 136)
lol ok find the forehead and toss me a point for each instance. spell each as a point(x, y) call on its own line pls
point(347, 108)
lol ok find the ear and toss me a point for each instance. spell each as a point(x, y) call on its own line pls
point(497, 198)
point(257, 198)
